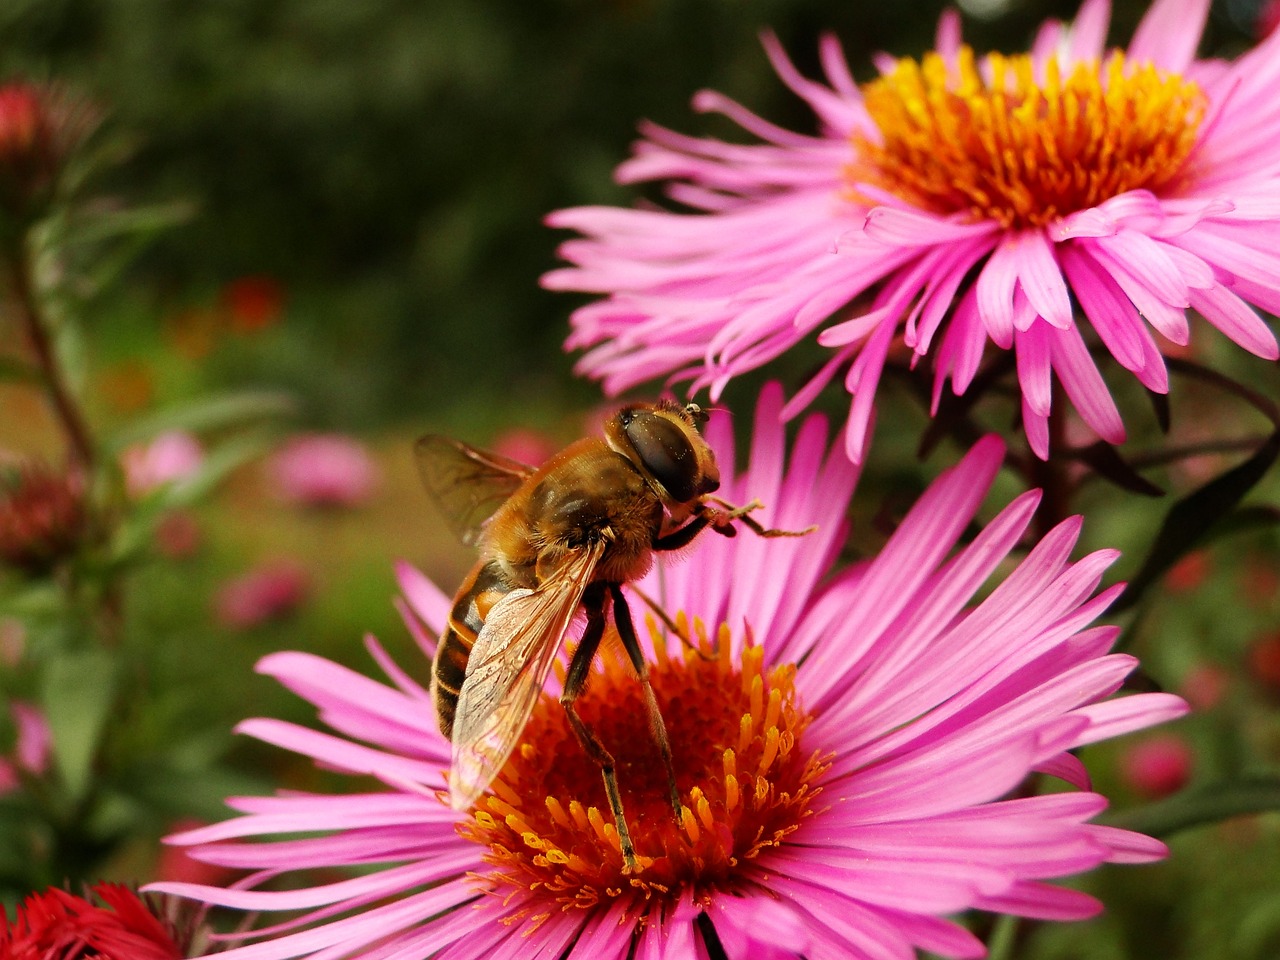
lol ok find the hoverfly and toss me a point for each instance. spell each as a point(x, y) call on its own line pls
point(565, 535)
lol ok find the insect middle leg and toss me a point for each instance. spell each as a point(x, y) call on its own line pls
point(594, 601)
point(657, 726)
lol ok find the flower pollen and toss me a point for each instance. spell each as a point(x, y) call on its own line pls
point(996, 142)
point(744, 782)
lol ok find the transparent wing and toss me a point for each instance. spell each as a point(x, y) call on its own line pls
point(508, 666)
point(466, 483)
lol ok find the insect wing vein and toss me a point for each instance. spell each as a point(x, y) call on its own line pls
point(468, 484)
point(509, 664)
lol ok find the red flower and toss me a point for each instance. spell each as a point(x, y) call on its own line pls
point(39, 127)
point(42, 517)
point(56, 925)
point(253, 303)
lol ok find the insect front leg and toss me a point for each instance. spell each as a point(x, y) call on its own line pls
point(721, 520)
point(575, 680)
point(657, 726)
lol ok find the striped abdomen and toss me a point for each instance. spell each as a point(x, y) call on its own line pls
point(483, 587)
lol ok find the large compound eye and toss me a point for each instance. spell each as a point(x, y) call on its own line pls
point(665, 452)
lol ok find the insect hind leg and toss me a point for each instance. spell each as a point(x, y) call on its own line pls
point(575, 680)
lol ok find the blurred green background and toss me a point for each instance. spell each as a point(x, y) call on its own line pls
point(379, 171)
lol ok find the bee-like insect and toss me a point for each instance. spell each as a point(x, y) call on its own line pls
point(565, 535)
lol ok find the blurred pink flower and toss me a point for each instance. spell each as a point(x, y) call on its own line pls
point(272, 591)
point(31, 751)
point(878, 720)
point(169, 458)
point(1204, 686)
point(178, 535)
point(1157, 766)
point(323, 470)
point(34, 737)
point(526, 446)
point(950, 203)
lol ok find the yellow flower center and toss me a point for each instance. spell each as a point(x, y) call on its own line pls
point(1018, 149)
point(744, 782)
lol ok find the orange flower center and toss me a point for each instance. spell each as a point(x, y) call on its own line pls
point(1018, 148)
point(744, 782)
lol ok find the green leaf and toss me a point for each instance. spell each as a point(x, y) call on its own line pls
point(1190, 519)
point(1003, 939)
point(215, 413)
point(175, 790)
point(1257, 934)
point(136, 535)
point(97, 225)
point(77, 695)
point(1199, 805)
point(30, 599)
point(1250, 519)
point(1160, 405)
point(1106, 462)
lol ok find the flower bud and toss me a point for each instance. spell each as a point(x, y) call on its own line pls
point(42, 517)
point(40, 127)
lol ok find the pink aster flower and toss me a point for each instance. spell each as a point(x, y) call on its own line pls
point(269, 592)
point(1157, 766)
point(848, 746)
point(34, 740)
point(323, 470)
point(954, 201)
point(171, 457)
point(33, 743)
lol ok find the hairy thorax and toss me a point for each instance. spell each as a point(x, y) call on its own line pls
point(586, 494)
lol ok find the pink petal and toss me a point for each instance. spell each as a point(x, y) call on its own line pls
point(1036, 427)
point(1239, 321)
point(1041, 278)
point(1089, 31)
point(1169, 34)
point(1129, 847)
point(904, 227)
point(1085, 386)
point(1115, 319)
point(1068, 768)
point(1116, 717)
point(424, 597)
point(1041, 901)
point(1032, 352)
point(995, 287)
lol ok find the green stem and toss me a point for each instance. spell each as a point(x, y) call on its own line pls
point(82, 451)
point(79, 441)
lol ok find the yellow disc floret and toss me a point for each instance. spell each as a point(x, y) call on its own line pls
point(1021, 145)
point(744, 782)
